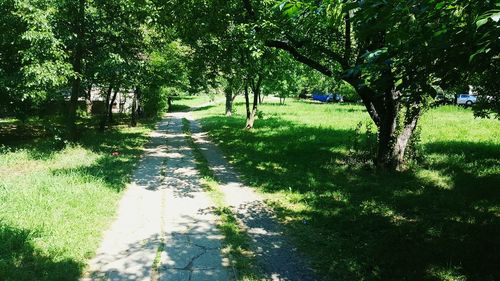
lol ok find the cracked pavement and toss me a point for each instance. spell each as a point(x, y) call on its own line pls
point(163, 211)
point(276, 255)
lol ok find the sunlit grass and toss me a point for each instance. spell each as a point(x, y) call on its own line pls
point(186, 102)
point(55, 203)
point(437, 221)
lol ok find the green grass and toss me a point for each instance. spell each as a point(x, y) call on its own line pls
point(236, 240)
point(186, 102)
point(439, 221)
point(56, 200)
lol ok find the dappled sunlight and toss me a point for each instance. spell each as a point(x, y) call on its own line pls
point(62, 197)
point(20, 258)
point(357, 222)
point(434, 178)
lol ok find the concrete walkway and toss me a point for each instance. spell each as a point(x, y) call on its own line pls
point(163, 219)
point(165, 229)
point(276, 255)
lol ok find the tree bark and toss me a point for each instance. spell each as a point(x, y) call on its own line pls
point(229, 103)
point(104, 119)
point(135, 107)
point(88, 99)
point(110, 107)
point(404, 137)
point(348, 44)
point(247, 105)
point(255, 86)
point(393, 141)
point(77, 68)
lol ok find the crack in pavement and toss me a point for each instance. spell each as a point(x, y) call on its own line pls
point(277, 255)
point(163, 198)
point(195, 253)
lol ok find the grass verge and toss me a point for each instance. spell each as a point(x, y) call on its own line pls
point(236, 241)
point(439, 221)
point(56, 199)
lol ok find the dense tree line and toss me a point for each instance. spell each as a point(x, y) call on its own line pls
point(57, 50)
point(395, 55)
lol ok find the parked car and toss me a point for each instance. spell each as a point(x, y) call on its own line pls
point(323, 97)
point(466, 99)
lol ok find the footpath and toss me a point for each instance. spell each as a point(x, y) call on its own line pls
point(165, 227)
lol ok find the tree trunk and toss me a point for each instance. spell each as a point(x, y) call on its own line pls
point(169, 103)
point(347, 35)
point(247, 105)
point(385, 150)
point(229, 103)
point(251, 115)
point(140, 112)
point(77, 68)
point(135, 107)
point(73, 105)
point(110, 108)
point(102, 125)
point(88, 99)
point(393, 142)
point(404, 138)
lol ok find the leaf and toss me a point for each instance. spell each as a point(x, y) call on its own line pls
point(440, 5)
point(494, 15)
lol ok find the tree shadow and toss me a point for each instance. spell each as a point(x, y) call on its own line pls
point(178, 108)
point(20, 261)
point(440, 221)
point(202, 108)
point(174, 255)
point(119, 151)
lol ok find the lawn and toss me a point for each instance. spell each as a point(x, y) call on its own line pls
point(56, 199)
point(186, 102)
point(438, 221)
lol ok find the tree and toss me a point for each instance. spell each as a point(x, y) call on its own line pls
point(34, 64)
point(391, 52)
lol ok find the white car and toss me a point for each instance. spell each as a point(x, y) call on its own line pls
point(466, 99)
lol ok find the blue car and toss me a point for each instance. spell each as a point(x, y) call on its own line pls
point(322, 97)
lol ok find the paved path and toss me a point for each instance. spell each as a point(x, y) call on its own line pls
point(276, 255)
point(163, 217)
point(165, 230)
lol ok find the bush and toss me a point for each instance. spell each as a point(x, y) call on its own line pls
point(348, 92)
point(154, 102)
point(363, 147)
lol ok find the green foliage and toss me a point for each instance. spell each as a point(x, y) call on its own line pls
point(363, 148)
point(347, 91)
point(167, 76)
point(45, 66)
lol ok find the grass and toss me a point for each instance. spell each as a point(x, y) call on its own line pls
point(439, 221)
point(186, 102)
point(236, 240)
point(57, 199)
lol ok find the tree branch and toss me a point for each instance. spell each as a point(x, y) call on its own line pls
point(283, 45)
point(325, 51)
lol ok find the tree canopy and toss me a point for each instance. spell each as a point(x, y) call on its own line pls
point(395, 55)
